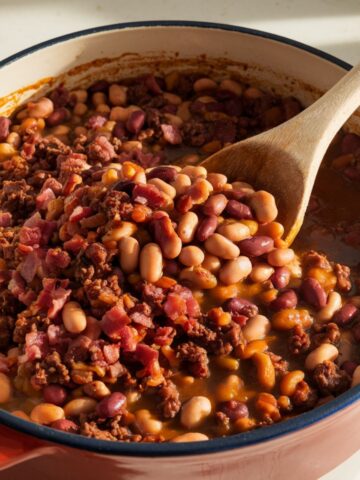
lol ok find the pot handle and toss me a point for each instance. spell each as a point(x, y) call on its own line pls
point(16, 447)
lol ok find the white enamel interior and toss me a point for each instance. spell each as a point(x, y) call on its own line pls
point(269, 63)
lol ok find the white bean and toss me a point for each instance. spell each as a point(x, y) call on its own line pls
point(190, 437)
point(151, 262)
point(194, 411)
point(187, 226)
point(235, 270)
point(256, 328)
point(221, 246)
point(333, 304)
point(235, 231)
point(129, 254)
point(326, 351)
point(74, 317)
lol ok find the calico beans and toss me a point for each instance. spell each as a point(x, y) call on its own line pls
point(146, 299)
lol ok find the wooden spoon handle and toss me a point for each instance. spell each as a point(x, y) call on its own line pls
point(317, 125)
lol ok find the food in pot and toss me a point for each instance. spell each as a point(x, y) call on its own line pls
point(145, 299)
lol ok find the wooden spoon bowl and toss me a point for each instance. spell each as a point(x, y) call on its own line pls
point(285, 160)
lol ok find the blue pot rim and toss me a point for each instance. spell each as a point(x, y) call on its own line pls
point(195, 448)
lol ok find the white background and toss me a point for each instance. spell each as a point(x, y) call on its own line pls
point(331, 25)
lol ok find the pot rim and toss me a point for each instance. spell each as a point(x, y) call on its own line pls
point(215, 445)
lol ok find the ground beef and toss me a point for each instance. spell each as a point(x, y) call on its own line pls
point(342, 273)
point(153, 295)
point(194, 359)
point(91, 430)
point(330, 379)
point(329, 333)
point(97, 254)
point(299, 341)
point(170, 403)
point(304, 397)
point(197, 133)
point(201, 334)
point(315, 259)
point(281, 366)
point(51, 370)
point(17, 198)
point(117, 205)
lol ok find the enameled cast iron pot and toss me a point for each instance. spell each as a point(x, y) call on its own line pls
point(304, 447)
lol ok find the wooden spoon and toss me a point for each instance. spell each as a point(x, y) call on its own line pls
point(286, 159)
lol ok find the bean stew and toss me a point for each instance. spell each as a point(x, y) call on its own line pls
point(144, 299)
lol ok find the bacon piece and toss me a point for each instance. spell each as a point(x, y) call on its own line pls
point(5, 219)
point(36, 347)
point(164, 336)
point(148, 195)
point(111, 353)
point(175, 306)
point(148, 357)
point(29, 266)
point(53, 298)
point(75, 244)
point(44, 198)
point(113, 322)
point(79, 213)
point(53, 184)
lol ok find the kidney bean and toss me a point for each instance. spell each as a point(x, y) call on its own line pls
point(234, 409)
point(112, 405)
point(57, 117)
point(240, 306)
point(136, 121)
point(238, 210)
point(65, 425)
point(345, 315)
point(256, 246)
point(167, 174)
point(313, 293)
point(280, 278)
point(349, 367)
point(55, 394)
point(206, 228)
point(215, 205)
point(286, 299)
